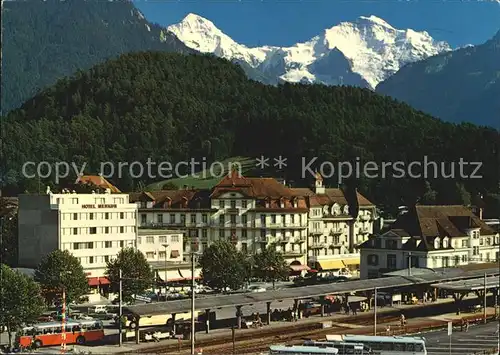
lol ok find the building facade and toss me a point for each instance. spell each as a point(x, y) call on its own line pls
point(93, 227)
point(430, 237)
point(337, 225)
point(255, 213)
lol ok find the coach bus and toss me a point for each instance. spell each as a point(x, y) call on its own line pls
point(385, 345)
point(298, 349)
point(343, 347)
point(50, 333)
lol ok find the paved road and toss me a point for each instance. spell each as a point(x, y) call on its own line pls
point(478, 338)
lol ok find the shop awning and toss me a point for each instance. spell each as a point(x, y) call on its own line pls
point(351, 261)
point(300, 268)
point(330, 264)
point(182, 279)
point(174, 254)
point(96, 281)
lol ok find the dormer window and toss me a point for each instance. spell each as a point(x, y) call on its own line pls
point(268, 202)
point(437, 242)
point(445, 242)
point(282, 202)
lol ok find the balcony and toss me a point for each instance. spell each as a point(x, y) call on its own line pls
point(153, 225)
point(335, 232)
point(318, 245)
point(316, 231)
point(232, 210)
point(292, 253)
point(294, 225)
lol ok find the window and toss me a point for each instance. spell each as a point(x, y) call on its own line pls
point(106, 258)
point(108, 244)
point(204, 218)
point(193, 218)
point(90, 245)
point(75, 231)
point(221, 219)
point(373, 259)
point(391, 244)
point(174, 239)
point(481, 241)
point(106, 230)
point(159, 218)
point(273, 219)
point(391, 261)
point(437, 242)
point(75, 216)
point(91, 259)
point(172, 218)
point(143, 218)
point(475, 250)
point(122, 229)
point(121, 243)
point(106, 215)
point(263, 219)
point(244, 203)
point(244, 219)
point(244, 248)
point(122, 215)
point(465, 243)
point(292, 218)
point(150, 255)
point(91, 216)
point(221, 203)
point(162, 255)
point(464, 258)
point(150, 240)
point(76, 246)
point(204, 233)
point(233, 219)
point(457, 260)
point(92, 230)
point(446, 261)
point(445, 243)
point(273, 233)
point(233, 204)
point(221, 233)
point(244, 234)
point(263, 233)
point(183, 219)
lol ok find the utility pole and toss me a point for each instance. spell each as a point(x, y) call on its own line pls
point(375, 313)
point(120, 310)
point(192, 303)
point(484, 300)
point(63, 322)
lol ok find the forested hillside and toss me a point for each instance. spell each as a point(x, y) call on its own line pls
point(44, 41)
point(171, 107)
point(463, 85)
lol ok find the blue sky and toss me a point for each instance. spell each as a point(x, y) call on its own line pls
point(282, 23)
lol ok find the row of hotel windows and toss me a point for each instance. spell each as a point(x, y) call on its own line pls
point(98, 230)
point(242, 234)
point(99, 245)
point(161, 239)
point(330, 251)
point(97, 201)
point(222, 218)
point(89, 216)
point(391, 262)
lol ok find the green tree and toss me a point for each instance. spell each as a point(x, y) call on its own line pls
point(430, 196)
point(462, 196)
point(21, 300)
point(270, 265)
point(61, 270)
point(223, 266)
point(137, 275)
point(8, 231)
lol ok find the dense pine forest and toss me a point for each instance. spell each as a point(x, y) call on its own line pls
point(172, 107)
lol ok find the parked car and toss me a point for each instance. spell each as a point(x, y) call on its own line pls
point(256, 288)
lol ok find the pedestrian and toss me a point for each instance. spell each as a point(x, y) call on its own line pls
point(466, 325)
point(354, 311)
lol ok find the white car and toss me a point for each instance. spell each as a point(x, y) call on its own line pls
point(256, 289)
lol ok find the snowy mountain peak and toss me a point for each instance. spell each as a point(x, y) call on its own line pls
point(370, 50)
point(374, 20)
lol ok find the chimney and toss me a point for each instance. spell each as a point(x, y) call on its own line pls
point(318, 185)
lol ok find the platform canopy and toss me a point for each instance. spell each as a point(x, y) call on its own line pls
point(340, 288)
point(469, 285)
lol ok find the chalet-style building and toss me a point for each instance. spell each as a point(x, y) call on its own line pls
point(430, 237)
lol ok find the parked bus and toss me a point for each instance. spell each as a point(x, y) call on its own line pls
point(344, 348)
point(165, 319)
point(385, 345)
point(50, 333)
point(297, 349)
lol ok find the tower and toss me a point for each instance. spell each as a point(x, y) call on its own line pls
point(319, 188)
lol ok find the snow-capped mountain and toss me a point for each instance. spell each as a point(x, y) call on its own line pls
point(362, 53)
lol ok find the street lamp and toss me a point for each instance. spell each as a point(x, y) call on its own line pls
point(63, 312)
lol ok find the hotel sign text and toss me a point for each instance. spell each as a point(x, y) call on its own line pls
point(98, 206)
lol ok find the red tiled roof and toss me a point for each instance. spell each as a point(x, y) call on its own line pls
point(98, 181)
point(189, 199)
point(330, 197)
